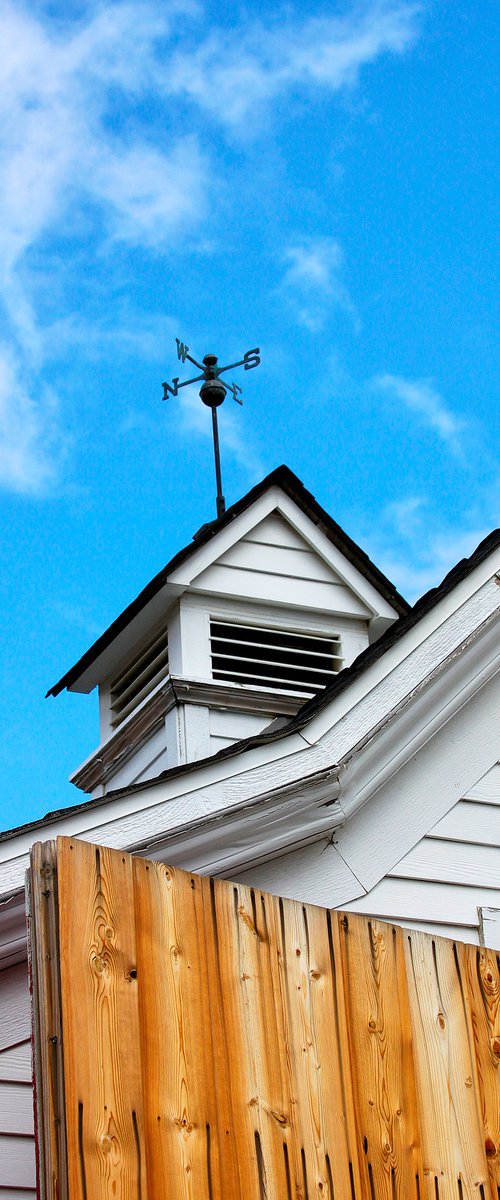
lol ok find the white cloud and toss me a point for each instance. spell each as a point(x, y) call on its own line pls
point(232, 74)
point(313, 282)
point(30, 440)
point(79, 154)
point(421, 397)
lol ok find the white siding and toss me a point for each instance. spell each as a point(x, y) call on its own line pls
point(228, 727)
point(273, 563)
point(17, 1148)
point(450, 873)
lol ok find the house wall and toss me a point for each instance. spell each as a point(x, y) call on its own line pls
point(17, 1147)
point(441, 885)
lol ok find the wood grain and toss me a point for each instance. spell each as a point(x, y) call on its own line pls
point(221, 1043)
point(381, 1056)
point(483, 986)
point(452, 1139)
point(102, 1046)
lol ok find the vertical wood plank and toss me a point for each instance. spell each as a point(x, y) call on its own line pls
point(381, 1058)
point(180, 1107)
point(44, 965)
point(452, 1145)
point(322, 1148)
point(483, 986)
point(241, 956)
point(102, 1051)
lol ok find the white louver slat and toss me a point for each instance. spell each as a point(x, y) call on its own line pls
point(140, 676)
point(284, 660)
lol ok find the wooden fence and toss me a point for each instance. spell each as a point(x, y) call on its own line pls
point(199, 1040)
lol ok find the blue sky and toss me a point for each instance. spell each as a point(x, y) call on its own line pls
point(320, 181)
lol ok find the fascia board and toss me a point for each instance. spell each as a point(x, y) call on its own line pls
point(137, 629)
point(349, 574)
point(277, 501)
point(409, 661)
point(124, 821)
point(424, 788)
point(224, 539)
point(227, 840)
point(375, 760)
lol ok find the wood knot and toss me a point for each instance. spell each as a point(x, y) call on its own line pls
point(280, 1117)
point(184, 1125)
point(468, 1081)
point(495, 1046)
point(315, 974)
point(372, 1024)
point(441, 1020)
point(98, 964)
point(490, 1148)
point(106, 1144)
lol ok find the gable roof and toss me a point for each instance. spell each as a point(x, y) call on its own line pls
point(346, 678)
point(283, 478)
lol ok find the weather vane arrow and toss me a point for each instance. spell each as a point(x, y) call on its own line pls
point(213, 392)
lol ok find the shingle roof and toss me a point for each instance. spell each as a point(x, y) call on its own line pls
point(343, 680)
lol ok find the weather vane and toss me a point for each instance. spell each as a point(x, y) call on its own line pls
point(213, 392)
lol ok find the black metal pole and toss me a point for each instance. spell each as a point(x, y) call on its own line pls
point(221, 503)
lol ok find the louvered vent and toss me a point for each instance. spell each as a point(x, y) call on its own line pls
point(139, 677)
point(272, 658)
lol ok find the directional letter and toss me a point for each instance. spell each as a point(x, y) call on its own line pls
point(234, 388)
point(251, 359)
point(170, 391)
point(181, 350)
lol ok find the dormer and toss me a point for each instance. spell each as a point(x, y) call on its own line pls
point(244, 625)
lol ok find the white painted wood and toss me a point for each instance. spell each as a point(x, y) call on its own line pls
point(456, 933)
point(17, 1163)
point(470, 821)
point(490, 927)
point(275, 502)
point(275, 531)
point(15, 1010)
point(287, 561)
point(314, 874)
point(16, 1108)
point(451, 862)
point(18, 1194)
point(232, 726)
point(15, 1062)
point(428, 785)
point(409, 899)
point(487, 790)
point(330, 597)
point(146, 762)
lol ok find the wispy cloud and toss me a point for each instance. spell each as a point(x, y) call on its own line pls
point(234, 73)
point(81, 158)
point(416, 548)
point(313, 282)
point(421, 397)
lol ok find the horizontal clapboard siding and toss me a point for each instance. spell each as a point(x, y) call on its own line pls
point(17, 1165)
point(17, 1152)
point(451, 862)
point(16, 1108)
point(428, 903)
point(15, 1063)
point(471, 822)
point(15, 1011)
point(274, 563)
point(228, 727)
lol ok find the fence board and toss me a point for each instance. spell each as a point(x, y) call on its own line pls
point(453, 1149)
point(221, 1043)
point(483, 985)
point(102, 1046)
